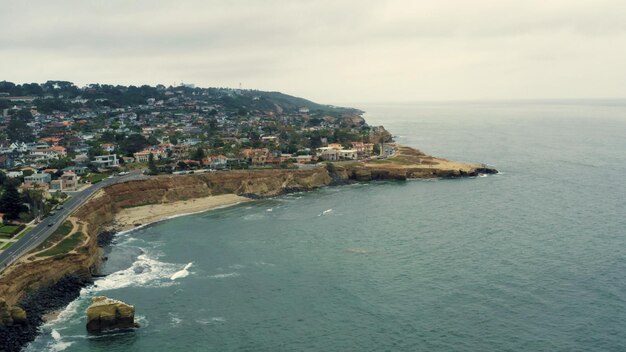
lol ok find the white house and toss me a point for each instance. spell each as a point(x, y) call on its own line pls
point(104, 161)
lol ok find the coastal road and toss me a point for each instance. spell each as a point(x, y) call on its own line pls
point(46, 227)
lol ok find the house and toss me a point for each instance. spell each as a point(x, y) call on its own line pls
point(329, 154)
point(218, 162)
point(144, 155)
point(348, 154)
point(28, 186)
point(270, 139)
point(105, 161)
point(285, 157)
point(69, 181)
point(336, 146)
point(78, 170)
point(38, 178)
point(59, 150)
point(55, 152)
point(81, 158)
point(14, 174)
point(108, 147)
point(19, 147)
point(304, 159)
point(256, 156)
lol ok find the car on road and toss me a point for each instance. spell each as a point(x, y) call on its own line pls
point(50, 224)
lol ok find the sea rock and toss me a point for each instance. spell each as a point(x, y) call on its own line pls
point(106, 314)
point(19, 316)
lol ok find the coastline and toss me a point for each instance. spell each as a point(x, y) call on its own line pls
point(134, 217)
point(129, 205)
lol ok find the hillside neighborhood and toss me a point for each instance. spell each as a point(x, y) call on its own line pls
point(57, 138)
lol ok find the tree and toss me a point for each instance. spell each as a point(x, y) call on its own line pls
point(132, 144)
point(11, 202)
point(18, 131)
point(198, 155)
point(152, 165)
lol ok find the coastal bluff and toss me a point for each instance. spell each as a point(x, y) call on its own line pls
point(32, 274)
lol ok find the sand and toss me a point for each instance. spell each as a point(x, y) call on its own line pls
point(132, 217)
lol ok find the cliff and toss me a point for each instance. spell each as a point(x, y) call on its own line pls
point(32, 273)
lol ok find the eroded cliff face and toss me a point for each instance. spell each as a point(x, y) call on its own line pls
point(100, 210)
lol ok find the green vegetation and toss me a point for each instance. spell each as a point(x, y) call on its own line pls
point(95, 178)
point(6, 245)
point(8, 229)
point(56, 236)
point(64, 246)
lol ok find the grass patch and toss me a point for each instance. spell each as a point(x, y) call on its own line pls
point(8, 229)
point(95, 178)
point(56, 236)
point(64, 246)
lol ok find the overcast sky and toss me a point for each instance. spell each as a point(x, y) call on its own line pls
point(328, 51)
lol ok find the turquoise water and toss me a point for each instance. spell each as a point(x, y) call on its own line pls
point(532, 259)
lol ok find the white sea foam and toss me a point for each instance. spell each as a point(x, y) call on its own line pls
point(224, 276)
point(213, 320)
point(327, 211)
point(182, 273)
point(58, 344)
point(263, 263)
point(145, 271)
point(55, 335)
point(175, 320)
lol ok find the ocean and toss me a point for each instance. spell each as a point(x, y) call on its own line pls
point(531, 259)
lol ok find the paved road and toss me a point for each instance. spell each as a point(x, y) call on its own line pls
point(40, 232)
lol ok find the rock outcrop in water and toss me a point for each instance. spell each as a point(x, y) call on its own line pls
point(107, 314)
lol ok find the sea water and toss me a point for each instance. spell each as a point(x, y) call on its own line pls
point(531, 259)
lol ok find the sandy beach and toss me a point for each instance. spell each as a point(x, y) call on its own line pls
point(132, 217)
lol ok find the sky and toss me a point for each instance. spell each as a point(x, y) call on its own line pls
point(327, 51)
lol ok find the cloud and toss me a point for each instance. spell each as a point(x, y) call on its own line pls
point(330, 51)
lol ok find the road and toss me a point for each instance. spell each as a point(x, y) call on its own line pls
point(42, 231)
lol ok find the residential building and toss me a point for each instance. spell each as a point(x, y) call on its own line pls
point(106, 161)
point(38, 178)
point(348, 154)
point(108, 147)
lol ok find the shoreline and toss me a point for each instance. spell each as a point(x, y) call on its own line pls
point(132, 218)
point(127, 206)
